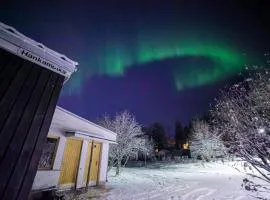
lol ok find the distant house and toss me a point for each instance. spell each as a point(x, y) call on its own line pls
point(75, 154)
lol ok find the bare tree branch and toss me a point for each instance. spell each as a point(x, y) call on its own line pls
point(241, 117)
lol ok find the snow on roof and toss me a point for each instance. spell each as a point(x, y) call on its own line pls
point(66, 121)
point(22, 46)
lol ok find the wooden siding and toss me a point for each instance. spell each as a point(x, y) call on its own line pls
point(94, 170)
point(28, 97)
point(70, 161)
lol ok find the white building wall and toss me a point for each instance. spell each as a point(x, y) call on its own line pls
point(60, 153)
point(80, 182)
point(45, 179)
point(104, 163)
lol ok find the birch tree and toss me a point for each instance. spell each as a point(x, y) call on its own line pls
point(130, 139)
point(242, 117)
point(204, 142)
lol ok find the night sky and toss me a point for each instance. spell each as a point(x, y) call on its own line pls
point(161, 60)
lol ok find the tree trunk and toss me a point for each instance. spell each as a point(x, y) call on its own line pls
point(118, 167)
point(145, 155)
point(126, 161)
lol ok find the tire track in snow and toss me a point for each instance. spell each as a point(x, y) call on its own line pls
point(234, 197)
point(164, 188)
point(154, 193)
point(240, 198)
point(168, 191)
point(198, 194)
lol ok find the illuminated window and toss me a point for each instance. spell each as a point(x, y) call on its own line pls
point(185, 146)
point(48, 154)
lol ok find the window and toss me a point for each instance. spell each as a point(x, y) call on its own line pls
point(185, 146)
point(48, 154)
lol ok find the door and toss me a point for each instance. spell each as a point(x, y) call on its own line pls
point(94, 169)
point(93, 157)
point(70, 162)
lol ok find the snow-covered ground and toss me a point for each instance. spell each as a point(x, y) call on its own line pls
point(190, 181)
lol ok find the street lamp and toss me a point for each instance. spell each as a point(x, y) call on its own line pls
point(261, 130)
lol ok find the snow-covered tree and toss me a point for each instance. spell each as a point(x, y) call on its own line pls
point(204, 142)
point(241, 117)
point(130, 139)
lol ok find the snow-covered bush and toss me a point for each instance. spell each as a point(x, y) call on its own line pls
point(204, 143)
point(130, 139)
point(241, 117)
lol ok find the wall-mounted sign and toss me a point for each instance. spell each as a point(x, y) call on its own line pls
point(41, 61)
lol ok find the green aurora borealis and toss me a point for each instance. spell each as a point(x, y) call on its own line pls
point(226, 61)
point(114, 57)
